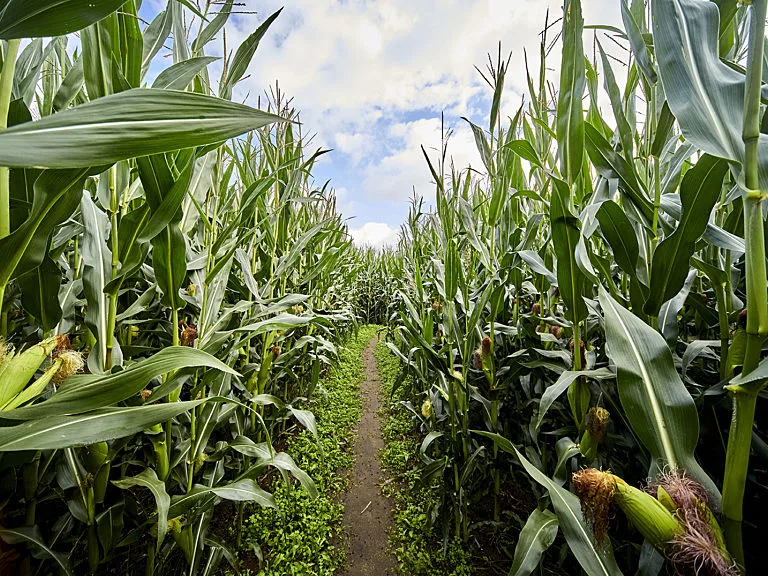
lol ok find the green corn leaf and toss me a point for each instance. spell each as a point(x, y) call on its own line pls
point(83, 429)
point(28, 69)
point(45, 18)
point(70, 86)
point(617, 105)
point(610, 164)
point(555, 390)
point(705, 94)
point(32, 537)
point(619, 233)
point(565, 237)
point(57, 195)
point(168, 259)
point(241, 490)
point(178, 76)
point(133, 123)
point(165, 206)
point(452, 270)
point(467, 216)
point(82, 393)
point(155, 36)
point(657, 404)
point(671, 204)
point(637, 44)
point(180, 47)
point(728, 10)
point(699, 192)
point(668, 323)
point(98, 57)
point(307, 419)
point(483, 147)
point(148, 479)
point(573, 80)
point(525, 150)
point(40, 296)
point(663, 130)
point(131, 43)
point(245, 490)
point(759, 375)
point(97, 272)
point(214, 27)
point(280, 460)
point(164, 196)
point(243, 56)
point(537, 265)
point(279, 322)
point(537, 535)
point(498, 90)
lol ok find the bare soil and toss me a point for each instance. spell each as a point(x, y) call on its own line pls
point(367, 513)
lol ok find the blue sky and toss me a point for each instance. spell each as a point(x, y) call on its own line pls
point(373, 77)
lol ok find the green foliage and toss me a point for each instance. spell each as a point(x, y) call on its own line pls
point(195, 276)
point(415, 541)
point(610, 257)
point(304, 536)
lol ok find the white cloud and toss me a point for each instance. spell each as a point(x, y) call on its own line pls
point(361, 70)
point(395, 175)
point(344, 203)
point(374, 234)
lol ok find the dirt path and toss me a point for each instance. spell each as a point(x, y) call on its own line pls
point(367, 514)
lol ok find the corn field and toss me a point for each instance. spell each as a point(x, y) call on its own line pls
point(170, 244)
point(583, 319)
point(580, 322)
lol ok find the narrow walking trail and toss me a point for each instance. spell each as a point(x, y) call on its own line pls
point(368, 514)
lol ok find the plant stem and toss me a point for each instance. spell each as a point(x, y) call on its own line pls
point(6, 86)
point(745, 397)
point(736, 465)
point(722, 313)
point(115, 246)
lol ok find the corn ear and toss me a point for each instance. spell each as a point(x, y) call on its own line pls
point(663, 496)
point(19, 370)
point(587, 446)
point(35, 389)
point(597, 419)
point(647, 514)
point(715, 526)
point(7, 354)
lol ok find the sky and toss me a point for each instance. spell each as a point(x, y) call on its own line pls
point(372, 78)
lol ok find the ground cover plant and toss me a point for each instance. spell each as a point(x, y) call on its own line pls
point(304, 535)
point(415, 540)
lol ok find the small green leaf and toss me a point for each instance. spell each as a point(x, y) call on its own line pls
point(537, 535)
point(148, 479)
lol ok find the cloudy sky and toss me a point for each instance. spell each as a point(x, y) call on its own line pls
point(373, 77)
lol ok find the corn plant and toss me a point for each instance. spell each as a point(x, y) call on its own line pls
point(594, 294)
point(189, 274)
